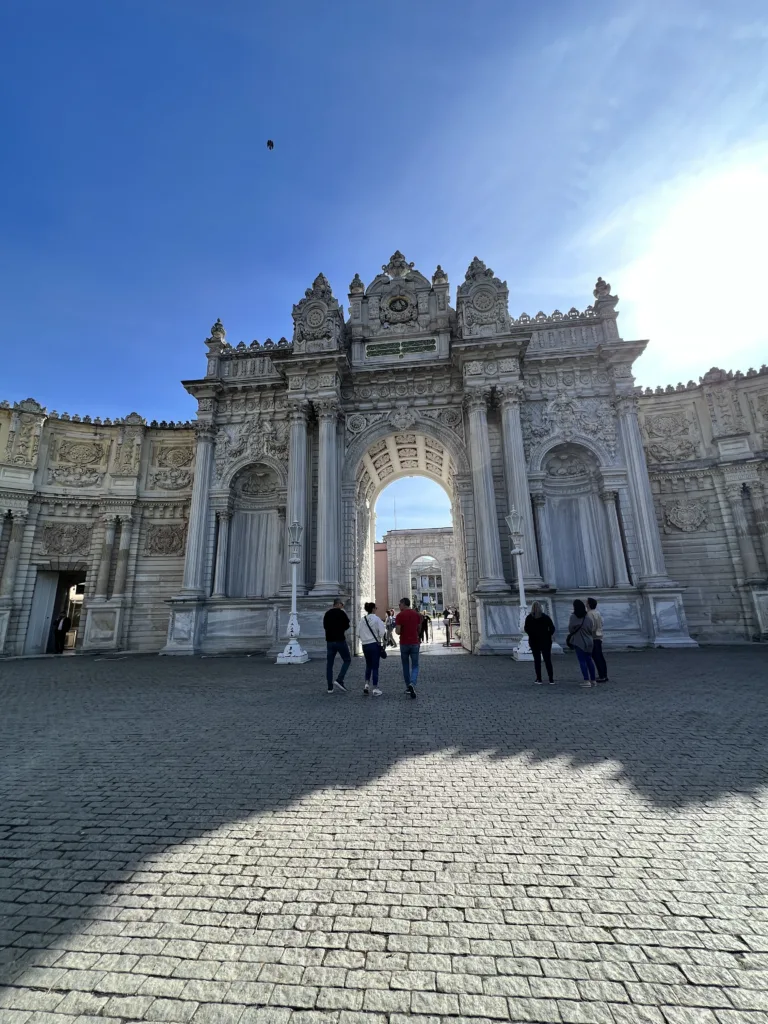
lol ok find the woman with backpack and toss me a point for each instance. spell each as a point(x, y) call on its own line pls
point(580, 639)
point(372, 633)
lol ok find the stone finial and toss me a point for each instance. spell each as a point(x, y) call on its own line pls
point(321, 289)
point(356, 287)
point(397, 266)
point(134, 418)
point(439, 276)
point(217, 331)
point(602, 289)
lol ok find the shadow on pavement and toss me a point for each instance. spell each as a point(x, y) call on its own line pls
point(105, 764)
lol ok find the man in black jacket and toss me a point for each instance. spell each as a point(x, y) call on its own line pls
point(61, 627)
point(335, 624)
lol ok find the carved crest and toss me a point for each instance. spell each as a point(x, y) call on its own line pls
point(165, 539)
point(687, 516)
point(318, 321)
point(65, 538)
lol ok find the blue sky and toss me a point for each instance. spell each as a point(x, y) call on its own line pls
point(557, 141)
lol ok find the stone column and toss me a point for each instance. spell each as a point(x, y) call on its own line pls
point(517, 478)
point(123, 550)
point(757, 497)
point(490, 567)
point(297, 489)
point(105, 560)
point(652, 567)
point(222, 549)
point(13, 556)
point(545, 538)
point(194, 562)
point(734, 493)
point(327, 569)
point(618, 561)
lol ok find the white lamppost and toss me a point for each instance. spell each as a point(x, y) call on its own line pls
point(522, 652)
point(293, 653)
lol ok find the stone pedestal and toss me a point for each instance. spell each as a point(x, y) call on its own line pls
point(103, 622)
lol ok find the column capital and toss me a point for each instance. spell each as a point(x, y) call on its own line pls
point(224, 513)
point(608, 495)
point(109, 518)
point(539, 499)
point(205, 431)
point(477, 398)
point(19, 517)
point(510, 394)
point(626, 405)
point(327, 408)
point(734, 491)
point(299, 411)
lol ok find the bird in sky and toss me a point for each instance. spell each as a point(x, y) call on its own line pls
point(270, 144)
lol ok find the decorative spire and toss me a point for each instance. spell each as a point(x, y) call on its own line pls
point(321, 289)
point(397, 266)
point(217, 331)
point(602, 289)
point(439, 276)
point(356, 287)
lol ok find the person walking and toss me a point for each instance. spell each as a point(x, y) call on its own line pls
point(447, 627)
point(336, 624)
point(372, 632)
point(407, 626)
point(580, 639)
point(391, 627)
point(540, 629)
point(424, 628)
point(597, 640)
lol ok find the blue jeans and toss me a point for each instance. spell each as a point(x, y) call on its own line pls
point(586, 664)
point(410, 672)
point(332, 649)
point(372, 655)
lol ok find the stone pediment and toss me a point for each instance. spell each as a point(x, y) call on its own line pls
point(399, 303)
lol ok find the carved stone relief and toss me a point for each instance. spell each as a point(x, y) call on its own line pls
point(165, 539)
point(255, 438)
point(669, 437)
point(65, 538)
point(565, 417)
point(687, 514)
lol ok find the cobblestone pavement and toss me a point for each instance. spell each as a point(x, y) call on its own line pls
point(217, 840)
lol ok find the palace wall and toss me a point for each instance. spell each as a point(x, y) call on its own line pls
point(80, 489)
point(706, 446)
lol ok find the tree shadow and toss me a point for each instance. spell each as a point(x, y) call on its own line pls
point(108, 763)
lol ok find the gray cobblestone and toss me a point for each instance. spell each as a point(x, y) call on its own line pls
point(193, 841)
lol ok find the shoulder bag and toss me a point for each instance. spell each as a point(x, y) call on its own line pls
point(382, 648)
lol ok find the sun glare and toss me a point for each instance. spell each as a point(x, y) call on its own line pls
point(697, 290)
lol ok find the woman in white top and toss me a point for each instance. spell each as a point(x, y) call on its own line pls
point(371, 631)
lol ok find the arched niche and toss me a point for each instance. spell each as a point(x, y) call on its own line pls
point(581, 555)
point(256, 532)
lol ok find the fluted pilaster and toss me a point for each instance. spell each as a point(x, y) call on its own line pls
point(328, 497)
point(490, 567)
point(194, 562)
point(516, 476)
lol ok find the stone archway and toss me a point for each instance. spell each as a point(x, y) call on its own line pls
point(379, 456)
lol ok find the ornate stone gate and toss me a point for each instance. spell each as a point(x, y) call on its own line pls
point(536, 412)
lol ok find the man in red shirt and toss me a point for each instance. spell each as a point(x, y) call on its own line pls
point(407, 626)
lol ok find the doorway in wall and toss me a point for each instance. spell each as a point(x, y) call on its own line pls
point(55, 593)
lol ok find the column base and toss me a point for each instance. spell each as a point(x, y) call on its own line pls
point(103, 621)
point(493, 586)
point(665, 610)
point(326, 590)
point(5, 617)
point(183, 626)
point(285, 590)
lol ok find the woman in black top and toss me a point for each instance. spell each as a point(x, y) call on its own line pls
point(540, 630)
